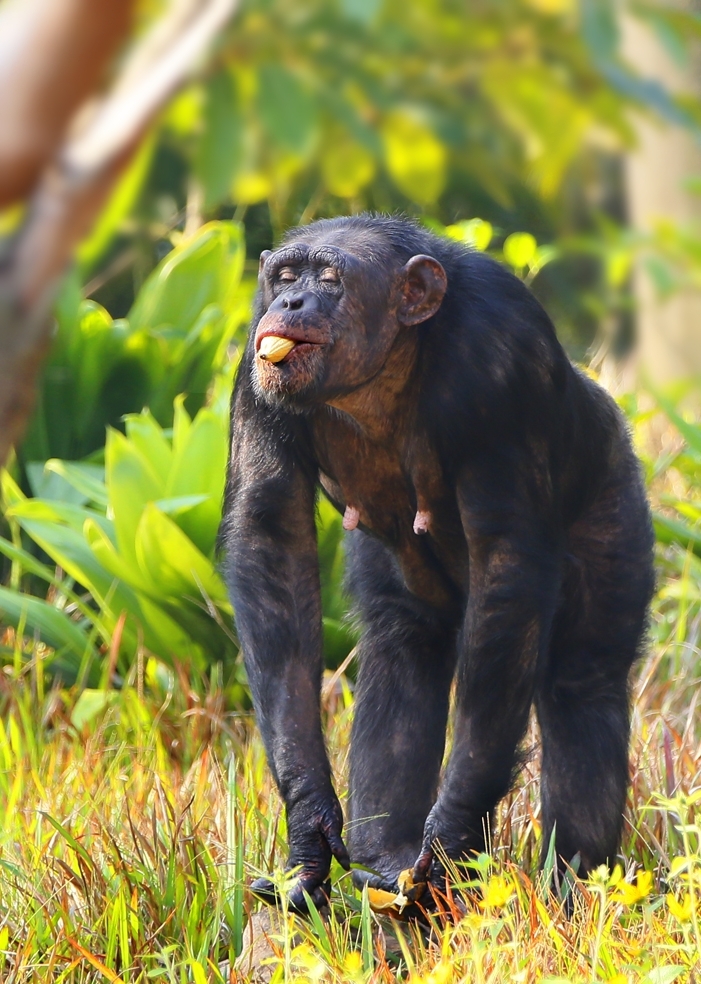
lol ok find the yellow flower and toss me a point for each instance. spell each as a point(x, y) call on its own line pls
point(442, 973)
point(629, 894)
point(353, 962)
point(496, 892)
point(682, 911)
point(617, 979)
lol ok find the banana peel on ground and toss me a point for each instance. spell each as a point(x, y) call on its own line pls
point(397, 905)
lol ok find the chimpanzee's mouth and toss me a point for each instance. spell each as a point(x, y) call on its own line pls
point(279, 348)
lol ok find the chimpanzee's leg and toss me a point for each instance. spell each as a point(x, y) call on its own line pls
point(582, 697)
point(407, 658)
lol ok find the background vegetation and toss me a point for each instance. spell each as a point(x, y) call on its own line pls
point(133, 790)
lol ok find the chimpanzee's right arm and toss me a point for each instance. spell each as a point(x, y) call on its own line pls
point(273, 577)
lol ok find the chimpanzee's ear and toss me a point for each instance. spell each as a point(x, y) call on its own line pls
point(423, 283)
point(263, 257)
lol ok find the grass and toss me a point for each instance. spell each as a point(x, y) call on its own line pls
point(131, 821)
point(126, 843)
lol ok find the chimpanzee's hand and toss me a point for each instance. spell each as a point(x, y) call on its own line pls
point(445, 836)
point(314, 828)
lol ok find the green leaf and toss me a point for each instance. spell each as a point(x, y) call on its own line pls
point(665, 974)
point(205, 269)
point(90, 703)
point(132, 482)
point(347, 167)
point(675, 531)
point(690, 432)
point(46, 485)
point(415, 157)
point(474, 232)
point(199, 468)
point(219, 153)
point(169, 559)
point(146, 435)
point(520, 249)
point(54, 627)
point(286, 109)
point(87, 480)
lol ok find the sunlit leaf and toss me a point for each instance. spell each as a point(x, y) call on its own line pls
point(347, 167)
point(415, 157)
point(520, 249)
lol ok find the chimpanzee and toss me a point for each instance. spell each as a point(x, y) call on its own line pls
point(498, 537)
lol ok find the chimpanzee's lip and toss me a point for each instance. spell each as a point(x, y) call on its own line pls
point(299, 336)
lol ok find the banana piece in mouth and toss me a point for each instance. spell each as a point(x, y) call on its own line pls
point(273, 348)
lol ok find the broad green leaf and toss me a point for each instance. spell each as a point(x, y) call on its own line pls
point(146, 435)
point(70, 550)
point(55, 628)
point(415, 157)
point(61, 513)
point(175, 642)
point(132, 482)
point(200, 468)
point(12, 494)
point(204, 269)
point(169, 559)
point(31, 565)
point(88, 480)
point(48, 485)
point(600, 28)
point(669, 530)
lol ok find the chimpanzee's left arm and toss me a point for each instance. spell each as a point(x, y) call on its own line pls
point(509, 512)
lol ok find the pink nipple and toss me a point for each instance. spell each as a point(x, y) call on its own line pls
point(351, 518)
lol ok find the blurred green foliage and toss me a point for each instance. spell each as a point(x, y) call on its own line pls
point(173, 340)
point(516, 111)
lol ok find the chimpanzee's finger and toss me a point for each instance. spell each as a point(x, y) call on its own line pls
point(306, 888)
point(338, 849)
point(266, 891)
point(423, 865)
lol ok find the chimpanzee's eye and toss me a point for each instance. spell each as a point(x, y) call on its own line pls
point(286, 275)
point(329, 276)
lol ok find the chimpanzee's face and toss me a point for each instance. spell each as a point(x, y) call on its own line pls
point(332, 314)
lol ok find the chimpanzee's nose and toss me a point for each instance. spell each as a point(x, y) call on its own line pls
point(302, 300)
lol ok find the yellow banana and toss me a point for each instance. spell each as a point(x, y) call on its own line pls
point(273, 348)
point(390, 904)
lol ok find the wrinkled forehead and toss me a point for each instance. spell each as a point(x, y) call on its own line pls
point(343, 249)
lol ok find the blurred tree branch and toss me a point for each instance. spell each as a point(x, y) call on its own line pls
point(63, 145)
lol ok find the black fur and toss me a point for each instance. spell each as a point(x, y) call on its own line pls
point(541, 545)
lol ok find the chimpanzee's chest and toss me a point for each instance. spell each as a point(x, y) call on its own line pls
point(388, 484)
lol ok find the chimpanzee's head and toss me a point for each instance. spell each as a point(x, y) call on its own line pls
point(336, 294)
